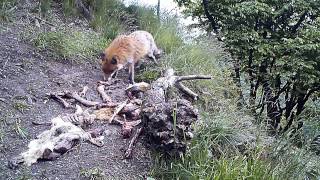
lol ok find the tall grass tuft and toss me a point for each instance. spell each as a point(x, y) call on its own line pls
point(165, 30)
point(107, 14)
point(71, 45)
point(7, 8)
point(44, 7)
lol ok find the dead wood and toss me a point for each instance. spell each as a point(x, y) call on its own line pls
point(80, 99)
point(118, 109)
point(59, 99)
point(108, 83)
point(84, 91)
point(192, 77)
point(104, 96)
point(168, 122)
point(186, 90)
point(128, 153)
point(41, 123)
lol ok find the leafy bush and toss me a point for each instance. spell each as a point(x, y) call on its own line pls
point(276, 45)
point(227, 145)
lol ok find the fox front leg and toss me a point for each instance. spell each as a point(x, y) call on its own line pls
point(131, 72)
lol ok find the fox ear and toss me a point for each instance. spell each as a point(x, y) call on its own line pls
point(102, 55)
point(113, 61)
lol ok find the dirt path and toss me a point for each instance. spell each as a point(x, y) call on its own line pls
point(25, 76)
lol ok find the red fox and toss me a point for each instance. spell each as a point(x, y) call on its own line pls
point(128, 50)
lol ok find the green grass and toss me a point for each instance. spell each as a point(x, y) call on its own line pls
point(19, 130)
point(76, 46)
point(227, 145)
point(107, 14)
point(7, 8)
point(21, 106)
point(44, 7)
point(165, 30)
point(92, 173)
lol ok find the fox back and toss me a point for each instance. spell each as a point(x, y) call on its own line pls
point(127, 48)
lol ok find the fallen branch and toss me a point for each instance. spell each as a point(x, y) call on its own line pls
point(108, 83)
point(104, 96)
point(80, 99)
point(186, 90)
point(119, 108)
point(159, 87)
point(128, 153)
point(192, 77)
point(60, 100)
point(41, 123)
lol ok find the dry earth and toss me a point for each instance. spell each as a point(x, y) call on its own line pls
point(26, 75)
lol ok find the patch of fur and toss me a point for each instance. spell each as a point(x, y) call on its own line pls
point(62, 130)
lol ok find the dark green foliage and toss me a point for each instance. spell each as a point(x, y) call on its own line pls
point(277, 43)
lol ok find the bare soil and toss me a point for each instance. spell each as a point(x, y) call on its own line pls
point(26, 75)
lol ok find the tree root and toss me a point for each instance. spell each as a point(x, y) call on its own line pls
point(59, 99)
point(119, 108)
point(80, 99)
point(128, 153)
point(104, 96)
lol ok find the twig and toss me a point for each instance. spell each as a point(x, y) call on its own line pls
point(192, 77)
point(85, 102)
point(84, 91)
point(119, 108)
point(59, 99)
point(186, 90)
point(108, 83)
point(35, 17)
point(108, 105)
point(41, 123)
point(104, 96)
point(128, 152)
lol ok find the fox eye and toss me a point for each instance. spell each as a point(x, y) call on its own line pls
point(114, 61)
point(102, 56)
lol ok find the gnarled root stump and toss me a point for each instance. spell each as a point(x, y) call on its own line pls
point(167, 123)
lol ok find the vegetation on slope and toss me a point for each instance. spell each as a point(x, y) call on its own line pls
point(229, 142)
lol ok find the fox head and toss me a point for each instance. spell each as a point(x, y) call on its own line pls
point(110, 64)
